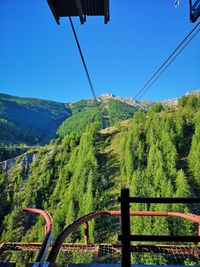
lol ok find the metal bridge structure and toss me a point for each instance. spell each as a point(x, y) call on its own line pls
point(194, 10)
point(79, 8)
point(84, 8)
point(48, 252)
point(126, 200)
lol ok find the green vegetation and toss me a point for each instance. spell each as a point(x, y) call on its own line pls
point(83, 105)
point(34, 121)
point(155, 153)
point(119, 111)
point(86, 112)
point(80, 120)
point(29, 120)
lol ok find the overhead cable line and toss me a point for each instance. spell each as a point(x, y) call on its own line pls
point(146, 89)
point(83, 60)
point(165, 62)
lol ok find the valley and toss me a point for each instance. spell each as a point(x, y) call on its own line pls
point(154, 153)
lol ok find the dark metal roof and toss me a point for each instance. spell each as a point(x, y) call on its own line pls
point(81, 8)
point(194, 10)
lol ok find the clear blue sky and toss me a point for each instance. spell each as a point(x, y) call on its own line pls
point(40, 59)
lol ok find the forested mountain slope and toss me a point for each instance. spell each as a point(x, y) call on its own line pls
point(156, 153)
point(104, 112)
point(29, 120)
point(34, 121)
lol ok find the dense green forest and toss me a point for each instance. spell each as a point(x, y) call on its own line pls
point(105, 113)
point(29, 120)
point(34, 121)
point(155, 153)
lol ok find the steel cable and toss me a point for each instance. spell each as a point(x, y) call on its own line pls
point(83, 60)
point(168, 65)
point(165, 62)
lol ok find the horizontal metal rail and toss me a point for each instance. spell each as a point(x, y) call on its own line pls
point(163, 200)
point(162, 238)
point(73, 226)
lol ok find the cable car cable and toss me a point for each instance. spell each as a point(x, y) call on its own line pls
point(83, 60)
point(168, 65)
point(169, 57)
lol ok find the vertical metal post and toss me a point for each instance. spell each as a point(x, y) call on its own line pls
point(190, 2)
point(86, 233)
point(96, 253)
point(125, 228)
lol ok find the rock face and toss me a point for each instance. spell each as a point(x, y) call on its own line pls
point(171, 102)
point(195, 92)
point(129, 100)
point(24, 161)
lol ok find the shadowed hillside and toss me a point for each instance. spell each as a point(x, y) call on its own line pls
point(29, 120)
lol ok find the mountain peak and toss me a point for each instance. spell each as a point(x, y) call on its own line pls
point(194, 92)
point(129, 100)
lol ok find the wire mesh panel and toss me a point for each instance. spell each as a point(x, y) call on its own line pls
point(167, 255)
point(111, 253)
point(140, 254)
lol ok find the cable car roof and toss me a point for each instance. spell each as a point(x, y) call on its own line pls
point(80, 8)
point(194, 10)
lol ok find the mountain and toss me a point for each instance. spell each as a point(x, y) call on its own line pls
point(29, 120)
point(195, 92)
point(34, 121)
point(173, 102)
point(106, 112)
point(128, 100)
point(155, 153)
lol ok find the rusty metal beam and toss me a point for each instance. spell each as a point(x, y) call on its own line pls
point(187, 216)
point(45, 214)
point(84, 220)
point(72, 227)
point(48, 232)
point(161, 200)
point(68, 230)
